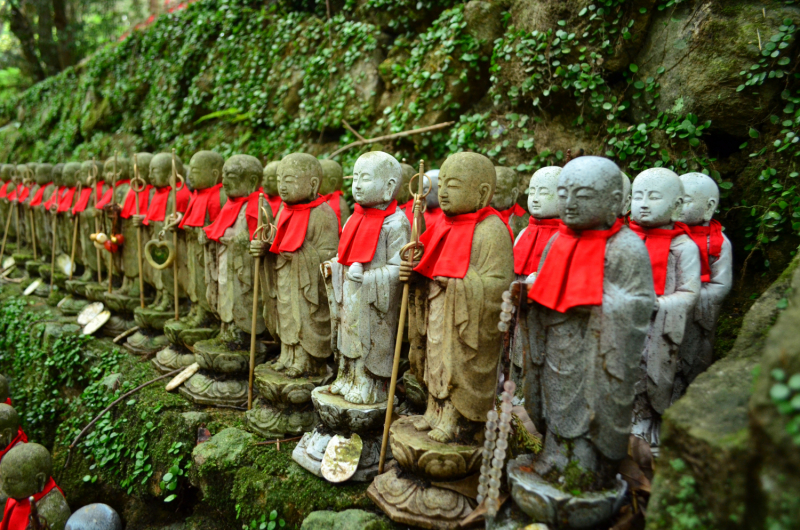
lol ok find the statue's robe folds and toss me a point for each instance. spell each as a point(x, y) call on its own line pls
point(697, 348)
point(87, 228)
point(302, 318)
point(368, 310)
point(583, 364)
point(458, 318)
point(126, 260)
point(659, 360)
point(195, 254)
point(229, 267)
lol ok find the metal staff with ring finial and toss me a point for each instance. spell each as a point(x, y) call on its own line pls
point(409, 253)
point(93, 181)
point(173, 222)
point(264, 232)
point(138, 185)
point(75, 221)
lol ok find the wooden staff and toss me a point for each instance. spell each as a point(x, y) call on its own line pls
point(408, 253)
point(33, 223)
point(94, 181)
point(53, 253)
point(15, 207)
point(175, 219)
point(8, 224)
point(135, 187)
point(111, 229)
point(264, 232)
point(75, 221)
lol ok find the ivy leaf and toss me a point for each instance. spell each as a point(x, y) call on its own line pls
point(779, 392)
point(753, 133)
point(171, 498)
point(633, 68)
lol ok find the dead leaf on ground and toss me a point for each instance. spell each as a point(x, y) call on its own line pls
point(634, 476)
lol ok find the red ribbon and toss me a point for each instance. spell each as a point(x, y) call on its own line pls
point(39, 195)
point(514, 210)
point(85, 196)
point(334, 202)
point(709, 240)
point(65, 202)
point(230, 213)
point(157, 210)
point(4, 190)
point(129, 207)
point(572, 274)
point(108, 196)
point(658, 241)
point(528, 250)
point(203, 202)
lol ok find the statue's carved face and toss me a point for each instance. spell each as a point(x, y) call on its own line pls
point(202, 173)
point(24, 471)
point(332, 177)
point(270, 179)
point(58, 174)
point(295, 185)
point(7, 172)
point(543, 193)
point(86, 173)
point(236, 181)
point(44, 174)
point(463, 186)
point(161, 170)
point(700, 199)
point(506, 190)
point(375, 179)
point(589, 193)
point(404, 194)
point(657, 198)
point(70, 174)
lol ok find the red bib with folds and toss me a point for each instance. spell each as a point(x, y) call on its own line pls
point(39, 195)
point(21, 437)
point(109, 195)
point(202, 202)
point(361, 233)
point(658, 241)
point(230, 212)
point(4, 190)
point(572, 273)
point(54, 197)
point(292, 226)
point(22, 193)
point(274, 202)
point(65, 201)
point(709, 240)
point(434, 215)
point(514, 210)
point(157, 209)
point(408, 208)
point(531, 244)
point(85, 196)
point(449, 244)
point(333, 201)
point(18, 512)
point(129, 206)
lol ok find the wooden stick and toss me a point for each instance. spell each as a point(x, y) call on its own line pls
point(175, 236)
point(5, 235)
point(278, 441)
point(102, 413)
point(254, 321)
point(53, 253)
point(75, 222)
point(138, 230)
point(398, 345)
point(125, 333)
point(33, 233)
point(392, 137)
point(96, 220)
point(349, 128)
point(111, 228)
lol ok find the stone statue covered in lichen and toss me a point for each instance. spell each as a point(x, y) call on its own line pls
point(331, 189)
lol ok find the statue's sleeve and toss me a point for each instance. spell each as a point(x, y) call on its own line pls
point(520, 235)
point(712, 293)
point(321, 244)
point(679, 305)
point(383, 281)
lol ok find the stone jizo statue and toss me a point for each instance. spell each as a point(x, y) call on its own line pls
point(269, 185)
point(331, 189)
point(505, 197)
point(700, 201)
point(26, 472)
point(675, 261)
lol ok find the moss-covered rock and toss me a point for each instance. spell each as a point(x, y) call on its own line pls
point(346, 520)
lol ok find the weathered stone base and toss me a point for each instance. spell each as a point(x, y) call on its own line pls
point(76, 287)
point(171, 358)
point(406, 500)
point(120, 303)
point(341, 416)
point(550, 505)
point(71, 306)
point(32, 267)
point(149, 318)
point(96, 292)
point(216, 356)
point(311, 449)
point(116, 325)
point(417, 453)
point(282, 390)
point(272, 422)
point(179, 333)
point(206, 388)
point(146, 342)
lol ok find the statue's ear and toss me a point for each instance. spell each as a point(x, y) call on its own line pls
point(41, 481)
point(216, 174)
point(315, 182)
point(486, 194)
point(618, 198)
point(389, 191)
point(711, 207)
point(676, 212)
point(514, 195)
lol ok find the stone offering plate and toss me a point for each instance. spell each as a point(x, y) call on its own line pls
point(312, 448)
point(550, 505)
point(416, 452)
point(213, 355)
point(342, 416)
point(96, 323)
point(340, 461)
point(30, 289)
point(90, 312)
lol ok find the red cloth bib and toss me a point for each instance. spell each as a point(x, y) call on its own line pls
point(22, 193)
point(65, 201)
point(531, 244)
point(334, 202)
point(572, 273)
point(203, 202)
point(129, 207)
point(39, 195)
point(54, 197)
point(230, 212)
point(4, 190)
point(8, 401)
point(109, 195)
point(709, 240)
point(514, 210)
point(658, 241)
point(408, 208)
point(157, 210)
point(449, 244)
point(434, 215)
point(274, 203)
point(361, 233)
point(292, 226)
point(86, 196)
point(21, 437)
point(18, 513)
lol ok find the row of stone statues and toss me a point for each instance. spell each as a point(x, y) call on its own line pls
point(615, 291)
